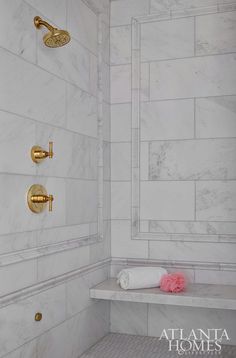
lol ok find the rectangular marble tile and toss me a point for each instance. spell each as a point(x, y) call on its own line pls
point(193, 159)
point(81, 111)
point(167, 200)
point(187, 318)
point(120, 84)
point(16, 216)
point(120, 42)
point(75, 155)
point(81, 201)
point(216, 33)
point(21, 314)
point(216, 201)
point(21, 14)
point(167, 39)
point(53, 10)
point(193, 77)
point(123, 10)
point(192, 251)
point(129, 317)
point(17, 136)
point(121, 243)
point(120, 200)
point(162, 5)
point(144, 160)
point(215, 117)
point(71, 63)
point(83, 24)
point(193, 227)
point(215, 277)
point(167, 120)
point(57, 264)
point(28, 350)
point(17, 241)
point(121, 161)
point(121, 123)
point(37, 103)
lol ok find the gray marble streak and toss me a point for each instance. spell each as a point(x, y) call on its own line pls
point(192, 160)
point(216, 201)
point(216, 33)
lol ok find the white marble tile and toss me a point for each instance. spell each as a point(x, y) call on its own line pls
point(54, 265)
point(53, 10)
point(81, 111)
point(17, 136)
point(123, 10)
point(120, 200)
point(215, 277)
point(193, 159)
point(78, 296)
point(216, 201)
point(17, 33)
point(72, 63)
point(81, 201)
point(120, 84)
point(120, 42)
point(106, 160)
point(167, 200)
point(106, 200)
point(21, 314)
point(121, 161)
point(29, 350)
point(192, 251)
point(167, 39)
point(17, 276)
point(121, 123)
point(102, 249)
point(144, 81)
point(193, 77)
point(216, 33)
point(35, 102)
point(130, 318)
point(17, 241)
point(121, 243)
point(105, 82)
point(215, 117)
point(167, 120)
point(187, 318)
point(163, 5)
point(106, 121)
point(17, 217)
point(82, 24)
point(75, 155)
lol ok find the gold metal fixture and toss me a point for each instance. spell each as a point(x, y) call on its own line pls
point(37, 198)
point(38, 154)
point(55, 37)
point(38, 316)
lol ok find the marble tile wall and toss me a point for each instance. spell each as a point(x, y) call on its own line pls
point(61, 95)
point(185, 139)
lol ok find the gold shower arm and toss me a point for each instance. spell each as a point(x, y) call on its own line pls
point(38, 22)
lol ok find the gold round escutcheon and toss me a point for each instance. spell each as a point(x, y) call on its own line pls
point(38, 316)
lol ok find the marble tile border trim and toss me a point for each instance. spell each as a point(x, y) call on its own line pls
point(44, 250)
point(45, 285)
point(135, 112)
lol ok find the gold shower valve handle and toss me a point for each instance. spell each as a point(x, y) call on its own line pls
point(38, 316)
point(38, 198)
point(38, 154)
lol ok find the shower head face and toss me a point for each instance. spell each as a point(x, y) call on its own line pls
point(56, 38)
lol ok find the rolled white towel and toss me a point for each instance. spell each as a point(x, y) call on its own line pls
point(140, 277)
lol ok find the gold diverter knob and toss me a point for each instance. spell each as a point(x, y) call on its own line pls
point(38, 316)
point(38, 154)
point(37, 198)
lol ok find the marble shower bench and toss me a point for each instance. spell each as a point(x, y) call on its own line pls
point(196, 295)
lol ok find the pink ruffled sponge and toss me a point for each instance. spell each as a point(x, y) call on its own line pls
point(173, 282)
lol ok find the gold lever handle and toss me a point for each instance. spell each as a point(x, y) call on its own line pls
point(38, 154)
point(37, 198)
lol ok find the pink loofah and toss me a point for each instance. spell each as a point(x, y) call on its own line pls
point(173, 282)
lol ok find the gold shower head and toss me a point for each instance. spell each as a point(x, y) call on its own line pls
point(55, 37)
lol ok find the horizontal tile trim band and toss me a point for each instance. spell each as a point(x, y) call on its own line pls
point(183, 237)
point(45, 250)
point(46, 285)
point(196, 265)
